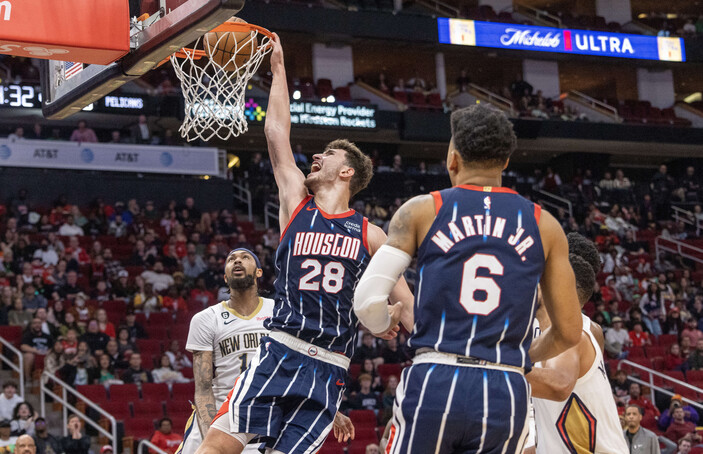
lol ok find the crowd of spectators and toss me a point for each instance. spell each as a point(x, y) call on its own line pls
point(62, 267)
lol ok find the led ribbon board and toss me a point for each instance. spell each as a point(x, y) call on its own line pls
point(547, 39)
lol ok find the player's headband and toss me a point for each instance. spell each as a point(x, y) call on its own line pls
point(256, 259)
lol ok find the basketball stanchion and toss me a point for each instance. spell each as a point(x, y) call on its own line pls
point(214, 74)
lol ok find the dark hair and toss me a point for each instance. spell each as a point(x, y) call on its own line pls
point(15, 412)
point(357, 160)
point(161, 421)
point(637, 407)
point(584, 248)
point(483, 134)
point(9, 383)
point(585, 278)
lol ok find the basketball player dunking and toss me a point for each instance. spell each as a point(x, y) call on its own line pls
point(223, 338)
point(291, 391)
point(482, 251)
point(572, 398)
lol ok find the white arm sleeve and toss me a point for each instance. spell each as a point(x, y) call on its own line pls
point(201, 335)
point(371, 294)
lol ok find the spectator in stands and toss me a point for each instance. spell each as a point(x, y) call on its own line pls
point(157, 278)
point(140, 132)
point(367, 349)
point(673, 359)
point(192, 263)
point(651, 413)
point(136, 330)
point(392, 354)
point(135, 373)
point(692, 332)
point(7, 441)
point(117, 361)
point(551, 181)
point(519, 87)
point(76, 442)
point(463, 81)
point(55, 359)
point(17, 135)
point(690, 413)
point(117, 228)
point(9, 400)
point(69, 228)
point(679, 427)
point(103, 373)
point(365, 399)
point(164, 437)
point(661, 185)
point(621, 386)
point(372, 449)
point(46, 254)
point(121, 289)
point(616, 339)
point(166, 373)
point(638, 337)
point(148, 301)
point(32, 300)
point(80, 310)
point(695, 359)
point(17, 316)
point(689, 29)
point(23, 419)
point(652, 307)
point(83, 133)
point(176, 356)
point(125, 344)
point(639, 439)
point(96, 340)
point(44, 441)
point(388, 399)
point(34, 342)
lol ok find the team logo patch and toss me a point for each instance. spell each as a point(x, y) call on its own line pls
point(352, 226)
point(224, 315)
point(312, 351)
point(487, 203)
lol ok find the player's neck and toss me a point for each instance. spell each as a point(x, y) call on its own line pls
point(478, 177)
point(244, 301)
point(332, 200)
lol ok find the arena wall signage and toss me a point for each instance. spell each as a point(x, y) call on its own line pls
point(546, 39)
point(107, 157)
point(320, 114)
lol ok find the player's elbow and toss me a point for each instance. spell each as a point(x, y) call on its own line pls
point(569, 337)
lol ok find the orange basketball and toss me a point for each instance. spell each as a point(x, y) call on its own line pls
point(222, 46)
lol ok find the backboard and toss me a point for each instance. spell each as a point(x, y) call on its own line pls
point(150, 42)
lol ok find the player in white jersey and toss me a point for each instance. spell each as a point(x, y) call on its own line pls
point(223, 339)
point(573, 405)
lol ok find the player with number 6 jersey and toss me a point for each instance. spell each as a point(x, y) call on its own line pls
point(481, 250)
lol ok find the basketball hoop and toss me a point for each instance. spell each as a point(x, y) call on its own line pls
point(214, 81)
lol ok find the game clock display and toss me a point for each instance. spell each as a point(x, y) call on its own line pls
point(24, 96)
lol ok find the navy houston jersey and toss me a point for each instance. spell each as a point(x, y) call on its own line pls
point(478, 270)
point(318, 264)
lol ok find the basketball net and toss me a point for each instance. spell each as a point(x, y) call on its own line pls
point(214, 96)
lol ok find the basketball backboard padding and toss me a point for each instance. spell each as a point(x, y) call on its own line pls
point(178, 28)
point(65, 30)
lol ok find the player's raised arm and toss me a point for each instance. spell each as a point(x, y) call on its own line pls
point(558, 293)
point(205, 405)
point(381, 279)
point(290, 180)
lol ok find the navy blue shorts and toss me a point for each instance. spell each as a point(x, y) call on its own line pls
point(442, 408)
point(287, 398)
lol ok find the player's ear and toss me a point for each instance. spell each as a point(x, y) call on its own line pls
point(259, 272)
point(507, 161)
point(453, 160)
point(347, 172)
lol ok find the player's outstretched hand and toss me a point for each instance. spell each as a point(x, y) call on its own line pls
point(395, 311)
point(343, 428)
point(276, 53)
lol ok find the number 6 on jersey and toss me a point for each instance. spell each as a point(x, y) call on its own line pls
point(471, 283)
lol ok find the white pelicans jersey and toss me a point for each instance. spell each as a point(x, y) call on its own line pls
point(586, 422)
point(233, 339)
